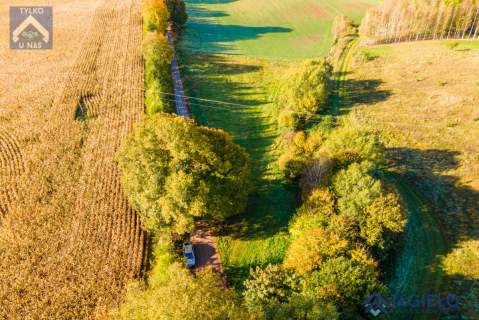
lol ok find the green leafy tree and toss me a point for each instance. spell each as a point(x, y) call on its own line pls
point(157, 54)
point(174, 171)
point(367, 212)
point(181, 296)
point(267, 286)
point(304, 94)
point(342, 281)
point(301, 308)
point(177, 11)
point(347, 145)
point(356, 189)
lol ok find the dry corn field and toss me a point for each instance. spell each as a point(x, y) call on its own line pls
point(69, 241)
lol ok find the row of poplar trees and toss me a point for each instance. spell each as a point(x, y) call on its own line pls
point(413, 20)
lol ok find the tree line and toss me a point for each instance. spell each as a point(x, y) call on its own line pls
point(402, 20)
point(158, 15)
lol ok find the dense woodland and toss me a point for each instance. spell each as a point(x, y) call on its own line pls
point(404, 20)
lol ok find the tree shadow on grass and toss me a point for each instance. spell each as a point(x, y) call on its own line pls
point(443, 214)
point(355, 92)
point(240, 107)
point(204, 34)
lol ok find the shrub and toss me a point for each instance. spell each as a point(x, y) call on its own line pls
point(316, 212)
point(287, 120)
point(268, 285)
point(300, 307)
point(155, 15)
point(154, 99)
point(347, 145)
point(452, 45)
point(362, 201)
point(313, 247)
point(166, 300)
point(174, 171)
point(342, 281)
point(157, 53)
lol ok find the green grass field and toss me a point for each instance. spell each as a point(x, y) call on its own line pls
point(286, 29)
point(235, 51)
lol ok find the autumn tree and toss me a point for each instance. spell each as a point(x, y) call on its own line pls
point(312, 248)
point(166, 299)
point(305, 93)
point(267, 286)
point(315, 212)
point(365, 205)
point(174, 172)
point(342, 281)
point(157, 54)
point(347, 145)
point(155, 15)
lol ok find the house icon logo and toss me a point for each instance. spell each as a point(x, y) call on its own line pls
point(31, 28)
point(375, 304)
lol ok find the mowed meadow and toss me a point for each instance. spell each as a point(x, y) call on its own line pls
point(69, 241)
point(287, 29)
point(233, 55)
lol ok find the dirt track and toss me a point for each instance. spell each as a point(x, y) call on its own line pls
point(206, 251)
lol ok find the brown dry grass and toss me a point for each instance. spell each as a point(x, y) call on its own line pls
point(424, 97)
point(69, 240)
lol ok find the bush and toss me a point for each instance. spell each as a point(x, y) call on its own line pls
point(154, 99)
point(362, 201)
point(157, 53)
point(348, 145)
point(300, 307)
point(313, 247)
point(305, 93)
point(452, 45)
point(155, 15)
point(316, 212)
point(342, 281)
point(174, 171)
point(166, 300)
point(267, 286)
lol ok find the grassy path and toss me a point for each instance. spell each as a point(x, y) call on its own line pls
point(417, 269)
point(340, 96)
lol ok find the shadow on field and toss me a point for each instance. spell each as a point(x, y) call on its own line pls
point(204, 34)
point(237, 105)
point(354, 92)
point(443, 216)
